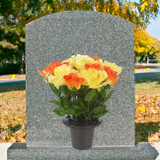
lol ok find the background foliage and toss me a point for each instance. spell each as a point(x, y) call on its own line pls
point(16, 13)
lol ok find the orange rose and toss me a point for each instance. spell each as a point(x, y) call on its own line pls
point(65, 63)
point(95, 58)
point(42, 74)
point(72, 80)
point(112, 75)
point(94, 65)
point(55, 64)
point(50, 69)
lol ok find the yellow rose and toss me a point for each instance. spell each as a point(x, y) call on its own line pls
point(94, 78)
point(63, 70)
point(79, 61)
point(57, 79)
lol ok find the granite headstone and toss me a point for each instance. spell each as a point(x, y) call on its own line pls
point(58, 37)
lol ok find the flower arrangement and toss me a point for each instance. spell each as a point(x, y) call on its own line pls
point(82, 85)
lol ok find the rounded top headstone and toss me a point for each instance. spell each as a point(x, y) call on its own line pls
point(58, 37)
point(77, 14)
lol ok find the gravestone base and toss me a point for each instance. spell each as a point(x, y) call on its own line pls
point(141, 151)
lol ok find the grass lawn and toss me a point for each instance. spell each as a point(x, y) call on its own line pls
point(147, 111)
point(148, 84)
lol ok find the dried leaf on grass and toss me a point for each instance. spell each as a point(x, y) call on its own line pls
point(13, 114)
point(147, 108)
point(148, 122)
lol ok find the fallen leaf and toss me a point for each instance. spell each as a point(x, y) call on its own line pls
point(22, 140)
point(12, 140)
point(136, 96)
point(153, 111)
point(142, 109)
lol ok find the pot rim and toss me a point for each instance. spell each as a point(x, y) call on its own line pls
point(67, 123)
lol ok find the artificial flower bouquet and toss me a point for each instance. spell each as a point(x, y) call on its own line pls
point(82, 85)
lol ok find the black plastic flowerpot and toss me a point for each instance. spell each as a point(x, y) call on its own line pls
point(81, 135)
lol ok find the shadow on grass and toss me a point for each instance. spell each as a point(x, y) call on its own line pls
point(12, 88)
point(144, 130)
point(15, 128)
point(148, 78)
point(141, 66)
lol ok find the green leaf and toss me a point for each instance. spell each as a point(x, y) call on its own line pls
point(98, 110)
point(64, 89)
point(105, 110)
point(73, 91)
point(109, 95)
point(71, 111)
point(60, 111)
point(107, 86)
point(54, 89)
point(79, 102)
point(57, 102)
point(99, 115)
point(102, 92)
point(64, 103)
point(91, 95)
point(77, 108)
point(89, 116)
point(87, 109)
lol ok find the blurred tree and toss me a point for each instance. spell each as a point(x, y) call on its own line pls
point(145, 45)
point(12, 44)
point(14, 14)
point(8, 49)
point(23, 11)
point(12, 31)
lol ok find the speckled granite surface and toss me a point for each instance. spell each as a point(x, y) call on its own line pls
point(61, 35)
point(142, 151)
point(57, 37)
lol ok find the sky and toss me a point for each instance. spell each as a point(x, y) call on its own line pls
point(154, 27)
